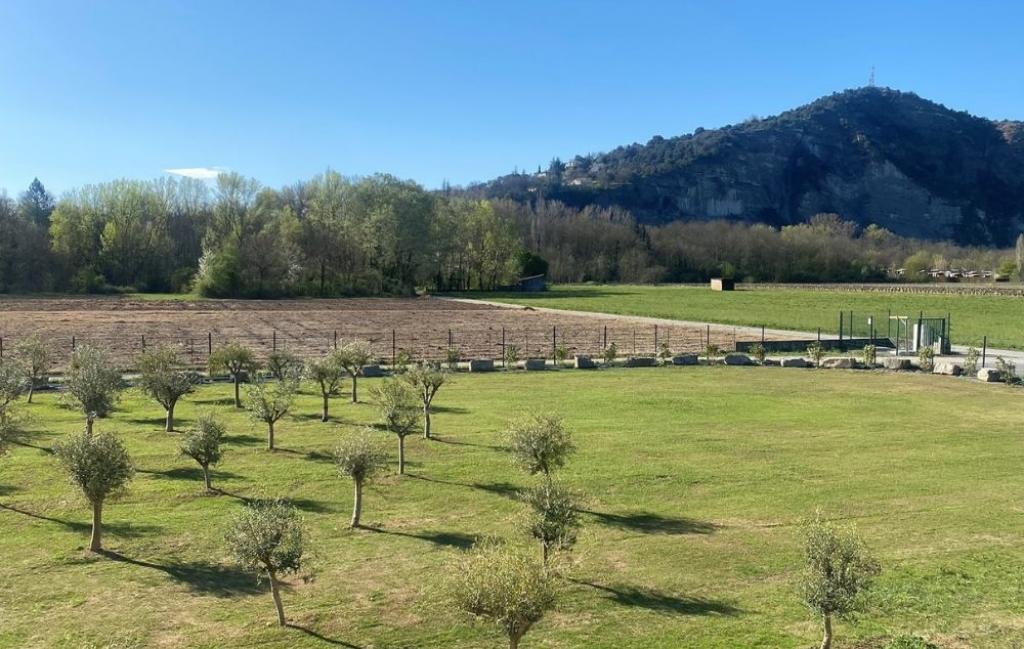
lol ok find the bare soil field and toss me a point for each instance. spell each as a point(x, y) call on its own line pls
point(418, 326)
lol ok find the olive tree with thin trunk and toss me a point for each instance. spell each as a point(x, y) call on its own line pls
point(553, 517)
point(92, 383)
point(235, 360)
point(399, 413)
point(426, 380)
point(36, 359)
point(13, 383)
point(203, 444)
point(284, 365)
point(539, 443)
point(267, 537)
point(269, 402)
point(99, 465)
point(502, 586)
point(838, 571)
point(328, 373)
point(353, 357)
point(360, 456)
point(162, 377)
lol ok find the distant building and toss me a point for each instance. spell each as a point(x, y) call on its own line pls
point(531, 284)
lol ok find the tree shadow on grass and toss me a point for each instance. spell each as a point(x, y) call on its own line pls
point(447, 440)
point(124, 530)
point(321, 637)
point(651, 523)
point(244, 440)
point(654, 600)
point(192, 474)
point(207, 578)
point(7, 489)
point(19, 441)
point(451, 410)
point(310, 505)
point(506, 489)
point(447, 539)
point(320, 456)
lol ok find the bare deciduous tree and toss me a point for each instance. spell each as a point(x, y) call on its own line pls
point(360, 456)
point(267, 537)
point(99, 465)
point(504, 587)
point(203, 444)
point(235, 360)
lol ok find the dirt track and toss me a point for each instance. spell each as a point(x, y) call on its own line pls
point(308, 327)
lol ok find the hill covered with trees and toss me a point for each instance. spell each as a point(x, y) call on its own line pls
point(872, 155)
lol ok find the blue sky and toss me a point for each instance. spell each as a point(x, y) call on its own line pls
point(433, 90)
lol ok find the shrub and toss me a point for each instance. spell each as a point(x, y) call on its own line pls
point(816, 351)
point(971, 361)
point(92, 383)
point(561, 353)
point(838, 570)
point(35, 358)
point(269, 402)
point(869, 355)
point(284, 365)
point(402, 361)
point(162, 378)
point(502, 586)
point(235, 360)
point(453, 357)
point(610, 353)
point(399, 413)
point(359, 456)
point(712, 352)
point(98, 465)
point(664, 351)
point(202, 444)
point(267, 537)
point(539, 443)
point(511, 355)
point(328, 373)
point(759, 353)
point(425, 380)
point(553, 517)
point(926, 358)
point(1007, 371)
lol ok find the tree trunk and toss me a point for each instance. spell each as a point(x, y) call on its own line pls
point(206, 477)
point(355, 398)
point(357, 505)
point(238, 399)
point(826, 641)
point(270, 436)
point(324, 415)
point(170, 419)
point(89, 419)
point(401, 454)
point(544, 551)
point(31, 389)
point(96, 543)
point(426, 420)
point(277, 598)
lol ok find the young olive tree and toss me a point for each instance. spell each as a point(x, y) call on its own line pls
point(353, 357)
point(399, 413)
point(162, 378)
point(203, 444)
point(503, 586)
point(235, 360)
point(284, 365)
point(360, 456)
point(328, 373)
point(425, 380)
point(838, 571)
point(93, 384)
point(269, 402)
point(13, 383)
point(99, 465)
point(817, 352)
point(267, 537)
point(553, 517)
point(36, 359)
point(539, 443)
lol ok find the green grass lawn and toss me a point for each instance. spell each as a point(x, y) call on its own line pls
point(697, 479)
point(1000, 317)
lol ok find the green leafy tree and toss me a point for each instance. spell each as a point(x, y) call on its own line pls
point(399, 413)
point(539, 443)
point(610, 353)
point(360, 456)
point(426, 380)
point(13, 383)
point(328, 373)
point(284, 365)
point(238, 361)
point(553, 517)
point(99, 465)
point(817, 352)
point(504, 587)
point(203, 444)
point(269, 402)
point(162, 377)
point(354, 356)
point(92, 383)
point(35, 357)
point(838, 571)
point(267, 537)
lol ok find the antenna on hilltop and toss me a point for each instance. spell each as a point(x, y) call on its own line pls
point(871, 79)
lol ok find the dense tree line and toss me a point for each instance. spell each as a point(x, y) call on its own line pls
point(333, 236)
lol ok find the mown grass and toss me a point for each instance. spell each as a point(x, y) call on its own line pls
point(1000, 317)
point(697, 479)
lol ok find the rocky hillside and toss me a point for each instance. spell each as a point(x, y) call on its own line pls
point(872, 155)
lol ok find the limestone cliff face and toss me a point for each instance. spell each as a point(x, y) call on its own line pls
point(871, 155)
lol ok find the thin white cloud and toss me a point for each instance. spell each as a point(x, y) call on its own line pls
point(199, 173)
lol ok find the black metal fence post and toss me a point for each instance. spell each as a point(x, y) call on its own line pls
point(554, 341)
point(503, 363)
point(394, 348)
point(655, 340)
point(273, 344)
point(209, 342)
point(984, 349)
